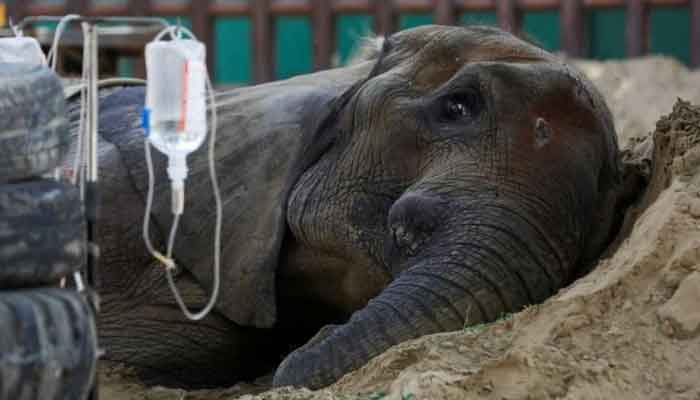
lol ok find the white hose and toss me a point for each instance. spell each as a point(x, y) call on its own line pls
point(53, 53)
point(167, 259)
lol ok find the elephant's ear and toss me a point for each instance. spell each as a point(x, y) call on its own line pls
point(267, 136)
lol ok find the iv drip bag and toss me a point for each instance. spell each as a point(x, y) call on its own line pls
point(176, 115)
point(175, 120)
point(20, 49)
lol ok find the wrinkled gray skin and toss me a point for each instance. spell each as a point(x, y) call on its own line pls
point(456, 175)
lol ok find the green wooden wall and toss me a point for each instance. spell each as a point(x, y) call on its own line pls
point(670, 36)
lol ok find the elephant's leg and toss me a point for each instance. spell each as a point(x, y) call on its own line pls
point(142, 327)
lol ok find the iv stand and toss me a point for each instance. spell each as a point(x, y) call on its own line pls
point(92, 197)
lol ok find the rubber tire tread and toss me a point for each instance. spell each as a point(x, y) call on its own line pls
point(34, 130)
point(48, 345)
point(42, 233)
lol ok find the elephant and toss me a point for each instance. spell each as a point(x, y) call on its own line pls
point(450, 175)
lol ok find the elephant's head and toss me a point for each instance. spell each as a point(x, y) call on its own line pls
point(477, 172)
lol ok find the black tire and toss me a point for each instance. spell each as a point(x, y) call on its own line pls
point(48, 345)
point(34, 130)
point(42, 233)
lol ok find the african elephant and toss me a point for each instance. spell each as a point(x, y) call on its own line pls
point(450, 176)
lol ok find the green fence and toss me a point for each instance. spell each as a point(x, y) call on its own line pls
point(294, 51)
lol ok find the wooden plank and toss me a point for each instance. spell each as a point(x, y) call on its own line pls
point(16, 10)
point(105, 10)
point(324, 33)
point(414, 6)
point(353, 6)
point(263, 41)
point(445, 12)
point(573, 28)
point(384, 17)
point(509, 16)
point(637, 28)
point(695, 33)
point(139, 8)
point(203, 28)
point(77, 7)
point(225, 9)
point(475, 5)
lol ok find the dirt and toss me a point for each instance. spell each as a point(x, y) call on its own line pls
point(639, 91)
point(628, 330)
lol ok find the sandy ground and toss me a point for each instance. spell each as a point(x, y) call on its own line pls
point(628, 330)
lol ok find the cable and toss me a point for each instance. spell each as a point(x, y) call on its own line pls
point(53, 53)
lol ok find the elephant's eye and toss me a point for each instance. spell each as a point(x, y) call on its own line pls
point(460, 106)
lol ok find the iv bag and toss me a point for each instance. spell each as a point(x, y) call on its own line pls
point(176, 95)
point(175, 122)
point(21, 49)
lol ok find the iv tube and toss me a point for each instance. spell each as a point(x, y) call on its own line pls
point(53, 53)
point(178, 197)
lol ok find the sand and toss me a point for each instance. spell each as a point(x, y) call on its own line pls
point(628, 330)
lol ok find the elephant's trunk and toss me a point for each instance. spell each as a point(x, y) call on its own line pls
point(492, 271)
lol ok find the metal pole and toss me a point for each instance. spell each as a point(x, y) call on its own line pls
point(91, 194)
point(92, 200)
point(96, 20)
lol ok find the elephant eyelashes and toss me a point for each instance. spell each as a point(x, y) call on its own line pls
point(460, 106)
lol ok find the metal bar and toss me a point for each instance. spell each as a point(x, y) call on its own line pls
point(92, 198)
point(324, 33)
point(573, 28)
point(263, 41)
point(637, 28)
point(509, 16)
point(96, 20)
point(445, 12)
point(93, 109)
point(384, 17)
point(695, 33)
point(203, 28)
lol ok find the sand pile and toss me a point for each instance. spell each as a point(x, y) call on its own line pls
point(640, 91)
point(628, 330)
